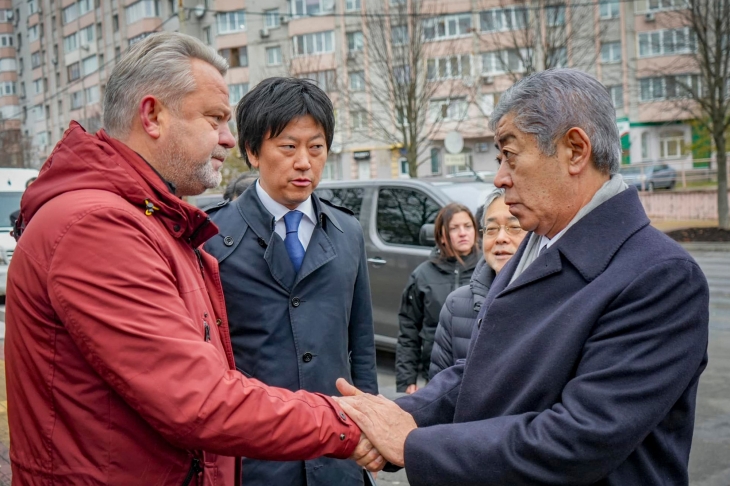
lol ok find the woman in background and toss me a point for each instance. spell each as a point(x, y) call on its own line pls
point(450, 266)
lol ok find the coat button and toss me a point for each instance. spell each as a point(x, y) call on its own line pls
point(295, 302)
point(307, 357)
point(218, 322)
point(261, 242)
point(228, 241)
point(343, 416)
point(343, 437)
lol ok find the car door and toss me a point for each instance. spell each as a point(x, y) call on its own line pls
point(394, 251)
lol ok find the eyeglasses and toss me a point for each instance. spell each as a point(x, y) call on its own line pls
point(492, 230)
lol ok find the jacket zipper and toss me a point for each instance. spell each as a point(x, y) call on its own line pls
point(195, 468)
point(456, 279)
point(200, 262)
point(207, 331)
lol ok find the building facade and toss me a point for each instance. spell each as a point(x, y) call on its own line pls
point(55, 56)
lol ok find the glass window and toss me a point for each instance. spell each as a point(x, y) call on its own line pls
point(610, 52)
point(74, 71)
point(355, 41)
point(667, 42)
point(357, 80)
point(401, 213)
point(142, 10)
point(609, 9)
point(358, 120)
point(350, 198)
point(273, 56)
point(399, 35)
point(236, 92)
point(502, 19)
point(617, 96)
point(352, 5)
point(315, 43)
point(70, 13)
point(447, 26)
point(671, 144)
point(230, 22)
point(92, 95)
point(272, 18)
point(8, 64)
point(90, 65)
point(76, 100)
point(449, 67)
point(311, 7)
point(558, 58)
point(555, 15)
point(435, 164)
point(500, 62)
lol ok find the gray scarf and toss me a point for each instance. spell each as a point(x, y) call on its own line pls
point(612, 187)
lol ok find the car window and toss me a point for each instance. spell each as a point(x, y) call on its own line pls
point(350, 198)
point(401, 213)
point(9, 202)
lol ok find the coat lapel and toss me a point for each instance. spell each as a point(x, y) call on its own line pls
point(320, 249)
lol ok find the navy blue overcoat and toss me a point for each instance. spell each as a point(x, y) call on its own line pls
point(583, 371)
point(299, 331)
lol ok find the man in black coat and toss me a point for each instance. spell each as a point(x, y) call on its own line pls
point(293, 268)
point(584, 364)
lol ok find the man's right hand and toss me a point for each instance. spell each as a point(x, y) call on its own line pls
point(412, 389)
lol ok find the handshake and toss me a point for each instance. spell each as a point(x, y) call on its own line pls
point(384, 427)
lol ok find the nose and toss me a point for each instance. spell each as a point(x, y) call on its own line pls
point(502, 178)
point(225, 137)
point(502, 236)
point(301, 160)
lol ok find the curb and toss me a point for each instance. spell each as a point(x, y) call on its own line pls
point(705, 246)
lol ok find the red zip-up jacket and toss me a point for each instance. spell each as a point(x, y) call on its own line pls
point(118, 360)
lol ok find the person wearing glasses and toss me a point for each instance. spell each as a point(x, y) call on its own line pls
point(449, 267)
point(501, 236)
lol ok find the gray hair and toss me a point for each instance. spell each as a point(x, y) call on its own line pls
point(493, 196)
point(549, 103)
point(159, 66)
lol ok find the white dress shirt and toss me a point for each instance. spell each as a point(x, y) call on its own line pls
point(306, 226)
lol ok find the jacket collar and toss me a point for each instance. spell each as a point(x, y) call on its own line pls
point(589, 245)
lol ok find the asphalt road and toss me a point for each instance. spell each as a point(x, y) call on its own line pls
point(710, 457)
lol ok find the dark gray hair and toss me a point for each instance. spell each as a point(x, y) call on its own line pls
point(549, 103)
point(159, 66)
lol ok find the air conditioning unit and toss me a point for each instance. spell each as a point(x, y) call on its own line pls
point(283, 19)
point(649, 17)
point(488, 80)
point(264, 33)
point(351, 55)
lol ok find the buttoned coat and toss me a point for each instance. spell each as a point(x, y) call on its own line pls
point(583, 371)
point(297, 330)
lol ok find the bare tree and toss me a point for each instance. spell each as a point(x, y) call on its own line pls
point(401, 44)
point(16, 149)
point(705, 96)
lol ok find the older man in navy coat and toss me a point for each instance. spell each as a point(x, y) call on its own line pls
point(293, 268)
point(584, 366)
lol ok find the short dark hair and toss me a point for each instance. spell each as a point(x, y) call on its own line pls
point(273, 103)
point(236, 187)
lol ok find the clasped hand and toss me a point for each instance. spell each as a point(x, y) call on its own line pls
point(384, 425)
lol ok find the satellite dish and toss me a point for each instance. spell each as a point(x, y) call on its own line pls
point(336, 148)
point(454, 142)
point(199, 11)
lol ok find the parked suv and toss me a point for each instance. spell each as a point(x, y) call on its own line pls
point(393, 214)
point(649, 177)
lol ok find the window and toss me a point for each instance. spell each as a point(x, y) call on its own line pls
point(73, 71)
point(272, 19)
point(645, 146)
point(236, 92)
point(38, 86)
point(401, 117)
point(236, 56)
point(358, 120)
point(609, 9)
point(350, 198)
point(115, 23)
point(655, 5)
point(352, 5)
point(36, 113)
point(487, 103)
point(671, 144)
point(435, 163)
point(35, 59)
point(33, 33)
point(401, 213)
point(357, 80)
point(505, 61)
point(315, 43)
point(402, 74)
point(666, 42)
point(555, 15)
point(84, 6)
point(448, 110)
point(90, 65)
point(41, 139)
point(32, 7)
point(610, 52)
point(173, 6)
point(76, 101)
point(99, 32)
point(324, 79)
point(273, 56)
point(6, 40)
point(71, 42)
point(399, 35)
point(449, 67)
point(230, 22)
point(7, 88)
point(502, 19)
point(142, 10)
point(355, 41)
point(447, 26)
point(207, 36)
point(70, 13)
point(667, 87)
point(91, 95)
point(86, 35)
point(558, 58)
point(617, 96)
point(311, 7)
point(8, 64)
point(6, 15)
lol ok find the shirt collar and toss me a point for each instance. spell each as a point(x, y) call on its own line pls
point(278, 210)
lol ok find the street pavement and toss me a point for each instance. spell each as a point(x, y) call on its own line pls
point(709, 464)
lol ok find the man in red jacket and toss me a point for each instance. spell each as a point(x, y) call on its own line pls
point(119, 363)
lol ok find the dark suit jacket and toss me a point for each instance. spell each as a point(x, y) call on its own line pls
point(297, 331)
point(583, 371)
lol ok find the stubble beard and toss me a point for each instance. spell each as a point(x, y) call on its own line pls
point(191, 177)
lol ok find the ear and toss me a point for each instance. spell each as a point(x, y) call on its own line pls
point(252, 158)
point(578, 148)
point(151, 116)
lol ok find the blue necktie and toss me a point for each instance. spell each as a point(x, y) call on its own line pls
point(291, 242)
